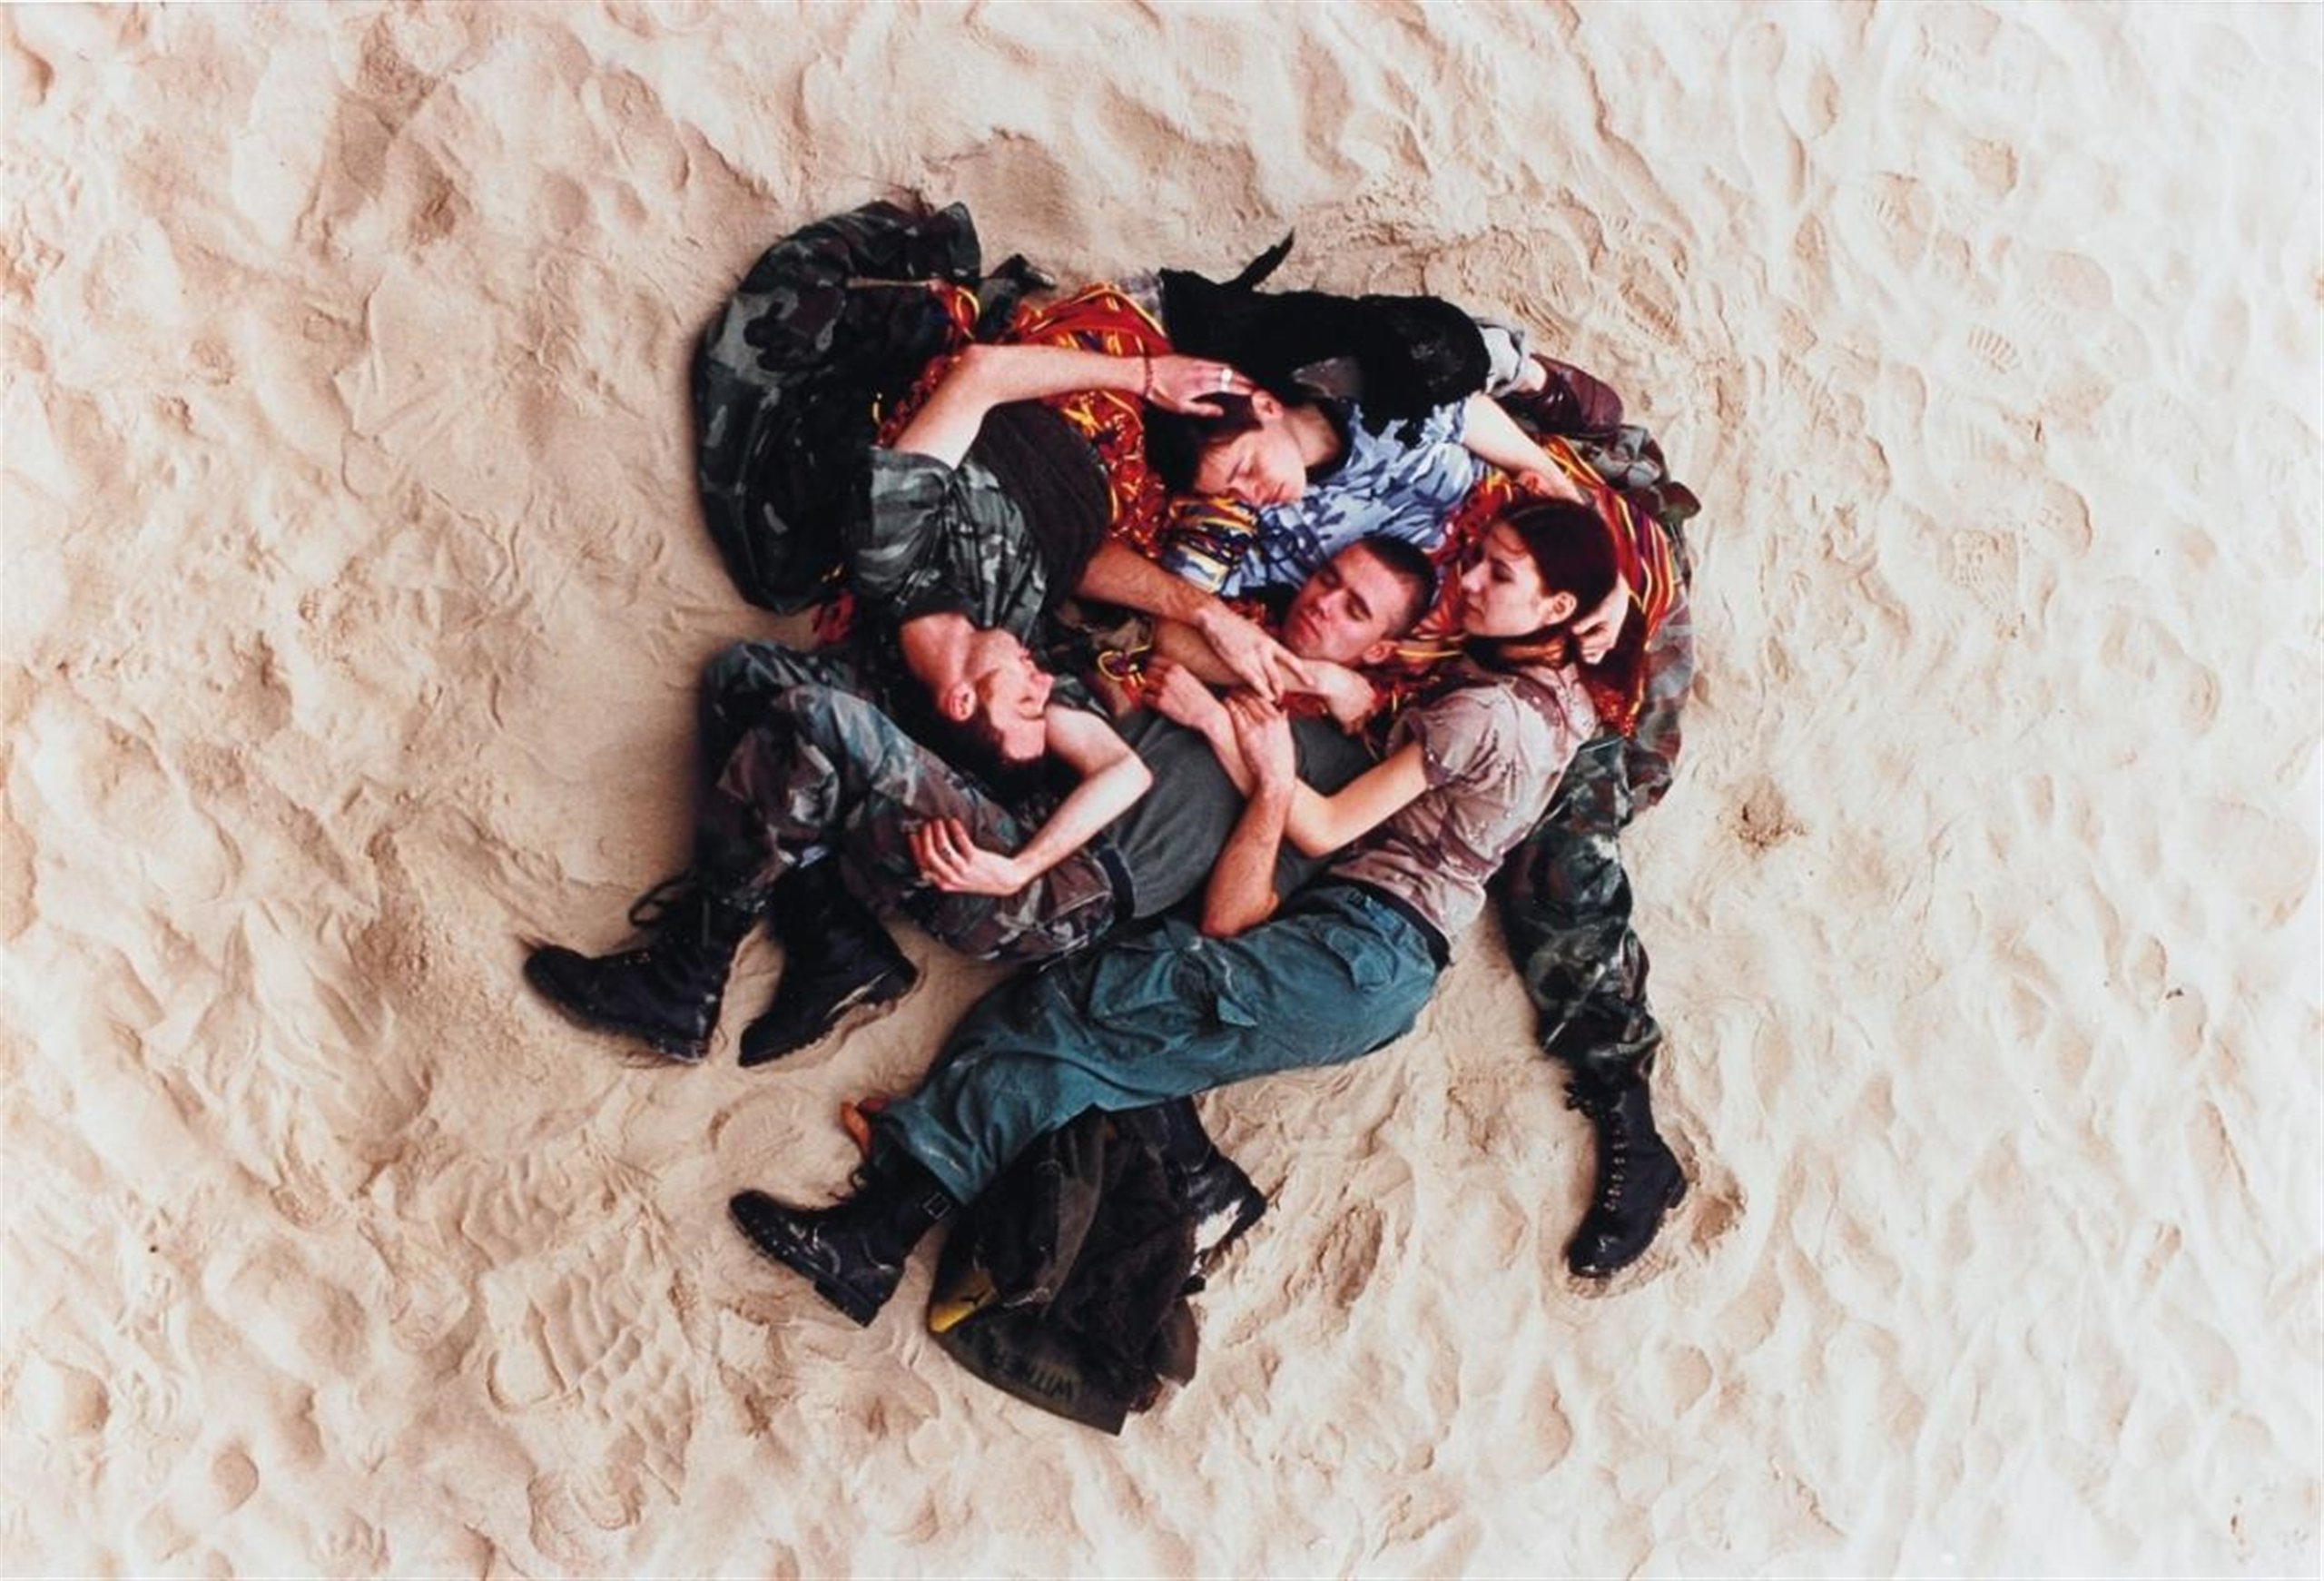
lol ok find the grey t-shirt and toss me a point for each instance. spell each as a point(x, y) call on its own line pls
point(1170, 839)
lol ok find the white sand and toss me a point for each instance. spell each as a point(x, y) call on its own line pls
point(354, 593)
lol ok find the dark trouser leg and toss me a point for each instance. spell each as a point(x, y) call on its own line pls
point(823, 772)
point(1159, 1014)
point(1565, 905)
point(1566, 910)
point(742, 683)
point(1565, 901)
point(814, 804)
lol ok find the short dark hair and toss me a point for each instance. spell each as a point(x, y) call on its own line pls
point(1409, 564)
point(973, 746)
point(1174, 442)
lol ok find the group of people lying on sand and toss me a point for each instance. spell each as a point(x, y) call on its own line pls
point(1219, 650)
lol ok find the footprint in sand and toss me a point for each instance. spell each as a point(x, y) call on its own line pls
point(1901, 216)
point(61, 1401)
point(355, 1548)
point(573, 1517)
point(233, 1478)
point(1997, 352)
point(1984, 565)
point(1350, 1255)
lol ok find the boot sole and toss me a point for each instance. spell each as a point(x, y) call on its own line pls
point(861, 1008)
point(856, 1308)
point(675, 1050)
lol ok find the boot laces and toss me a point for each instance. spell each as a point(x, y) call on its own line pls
point(1604, 1111)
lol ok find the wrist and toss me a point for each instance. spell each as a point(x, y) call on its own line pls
point(1146, 378)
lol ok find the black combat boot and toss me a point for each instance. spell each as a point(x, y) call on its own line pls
point(836, 957)
point(1225, 1202)
point(1638, 1179)
point(853, 1251)
point(666, 992)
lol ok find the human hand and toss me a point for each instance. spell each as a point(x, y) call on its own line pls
point(1263, 731)
point(954, 863)
point(1596, 631)
point(1178, 695)
point(1552, 485)
point(1346, 694)
point(1191, 386)
point(1258, 660)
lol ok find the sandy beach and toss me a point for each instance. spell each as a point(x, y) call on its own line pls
point(355, 588)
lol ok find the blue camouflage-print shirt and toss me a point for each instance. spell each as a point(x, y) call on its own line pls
point(1383, 486)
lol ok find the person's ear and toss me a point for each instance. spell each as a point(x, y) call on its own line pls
point(1266, 407)
point(1559, 608)
point(958, 702)
point(1380, 652)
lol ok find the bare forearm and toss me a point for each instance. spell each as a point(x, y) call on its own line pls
point(1094, 802)
point(1220, 732)
point(1491, 434)
point(1241, 893)
point(984, 377)
point(1179, 640)
point(1320, 824)
point(1308, 822)
point(1117, 574)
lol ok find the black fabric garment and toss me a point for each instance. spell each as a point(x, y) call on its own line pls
point(1056, 479)
point(1075, 1266)
point(1413, 353)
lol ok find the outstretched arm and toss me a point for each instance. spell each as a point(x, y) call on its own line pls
point(1112, 778)
point(1490, 434)
point(984, 377)
point(1316, 823)
point(1237, 649)
point(1321, 824)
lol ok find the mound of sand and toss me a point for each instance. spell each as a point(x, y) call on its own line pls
point(354, 594)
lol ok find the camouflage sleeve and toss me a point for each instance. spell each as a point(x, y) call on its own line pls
point(898, 515)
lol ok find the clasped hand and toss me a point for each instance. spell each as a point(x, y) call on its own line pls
point(951, 860)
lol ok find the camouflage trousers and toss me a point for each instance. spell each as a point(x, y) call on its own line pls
point(1565, 901)
point(802, 765)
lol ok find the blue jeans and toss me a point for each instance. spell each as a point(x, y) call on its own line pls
point(1162, 1013)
